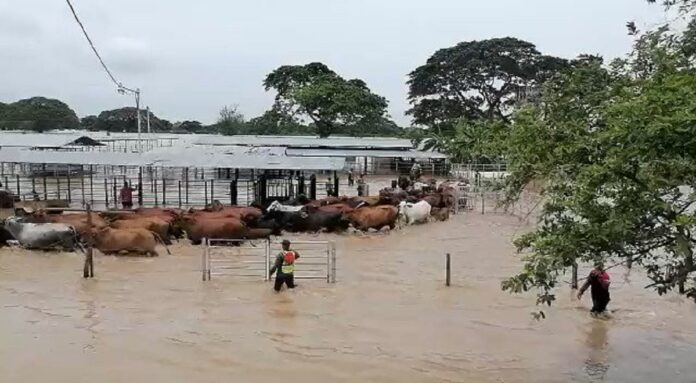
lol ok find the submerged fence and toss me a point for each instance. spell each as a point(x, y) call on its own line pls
point(243, 259)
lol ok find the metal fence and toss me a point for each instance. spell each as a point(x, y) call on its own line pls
point(243, 259)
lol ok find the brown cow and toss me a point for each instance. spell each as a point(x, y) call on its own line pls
point(155, 224)
point(326, 201)
point(78, 221)
point(373, 217)
point(214, 228)
point(246, 214)
point(342, 208)
point(440, 214)
point(114, 241)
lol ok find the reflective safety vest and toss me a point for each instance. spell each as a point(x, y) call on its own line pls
point(288, 262)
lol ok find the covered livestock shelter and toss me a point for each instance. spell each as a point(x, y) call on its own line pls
point(179, 176)
point(368, 155)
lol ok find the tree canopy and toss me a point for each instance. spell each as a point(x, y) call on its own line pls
point(37, 114)
point(476, 80)
point(615, 147)
point(328, 100)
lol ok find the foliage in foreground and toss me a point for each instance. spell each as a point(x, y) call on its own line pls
point(616, 148)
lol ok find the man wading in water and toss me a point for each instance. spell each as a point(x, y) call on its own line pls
point(599, 281)
point(285, 264)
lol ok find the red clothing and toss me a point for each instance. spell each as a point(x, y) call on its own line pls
point(126, 195)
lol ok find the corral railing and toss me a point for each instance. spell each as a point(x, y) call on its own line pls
point(244, 259)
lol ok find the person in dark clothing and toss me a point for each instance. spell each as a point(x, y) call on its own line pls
point(126, 196)
point(285, 266)
point(351, 181)
point(599, 282)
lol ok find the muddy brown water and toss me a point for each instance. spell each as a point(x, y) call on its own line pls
point(389, 318)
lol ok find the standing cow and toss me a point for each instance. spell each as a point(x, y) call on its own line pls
point(414, 212)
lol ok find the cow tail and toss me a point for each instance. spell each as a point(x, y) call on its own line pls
point(159, 240)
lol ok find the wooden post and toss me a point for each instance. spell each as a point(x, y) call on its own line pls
point(19, 192)
point(483, 203)
point(629, 262)
point(574, 277)
point(448, 270)
point(88, 269)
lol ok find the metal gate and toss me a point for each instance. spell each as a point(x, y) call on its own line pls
point(253, 259)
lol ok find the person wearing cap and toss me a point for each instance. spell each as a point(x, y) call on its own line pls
point(285, 267)
point(599, 282)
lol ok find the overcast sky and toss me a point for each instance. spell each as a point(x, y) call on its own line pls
point(192, 57)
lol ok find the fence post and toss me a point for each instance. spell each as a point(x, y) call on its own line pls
point(106, 193)
point(335, 184)
point(233, 192)
point(115, 190)
point(328, 262)
point(45, 192)
point(267, 277)
point(186, 179)
point(313, 187)
point(574, 277)
point(483, 203)
point(17, 178)
point(140, 186)
point(154, 187)
point(333, 262)
point(91, 186)
point(212, 192)
point(82, 185)
point(448, 270)
point(164, 190)
point(205, 191)
point(88, 269)
point(69, 191)
point(179, 193)
point(204, 255)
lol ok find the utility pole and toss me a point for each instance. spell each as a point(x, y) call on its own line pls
point(123, 90)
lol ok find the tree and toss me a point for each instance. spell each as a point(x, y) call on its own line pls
point(38, 114)
point(328, 100)
point(476, 79)
point(616, 149)
point(231, 121)
point(126, 120)
point(89, 122)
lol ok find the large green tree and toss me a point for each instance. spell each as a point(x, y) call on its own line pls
point(37, 114)
point(475, 80)
point(616, 150)
point(328, 100)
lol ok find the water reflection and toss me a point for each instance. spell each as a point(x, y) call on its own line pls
point(597, 342)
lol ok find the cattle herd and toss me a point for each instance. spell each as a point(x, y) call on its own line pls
point(141, 230)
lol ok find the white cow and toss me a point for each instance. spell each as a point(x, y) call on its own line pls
point(414, 212)
point(42, 235)
point(277, 206)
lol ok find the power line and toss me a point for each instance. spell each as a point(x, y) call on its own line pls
point(91, 44)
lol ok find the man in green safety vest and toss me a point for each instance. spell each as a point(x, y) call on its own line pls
point(285, 265)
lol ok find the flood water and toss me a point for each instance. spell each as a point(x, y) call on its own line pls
point(389, 318)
